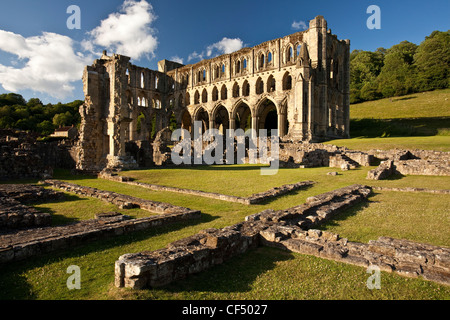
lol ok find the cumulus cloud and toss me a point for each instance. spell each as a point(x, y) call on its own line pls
point(50, 64)
point(127, 32)
point(176, 59)
point(300, 25)
point(224, 46)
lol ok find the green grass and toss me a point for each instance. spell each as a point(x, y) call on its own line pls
point(264, 273)
point(421, 114)
point(260, 274)
point(417, 121)
point(432, 104)
point(437, 143)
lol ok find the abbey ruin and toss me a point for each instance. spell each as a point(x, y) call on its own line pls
point(298, 84)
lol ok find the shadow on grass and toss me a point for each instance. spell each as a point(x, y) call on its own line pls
point(235, 275)
point(353, 211)
point(14, 283)
point(402, 127)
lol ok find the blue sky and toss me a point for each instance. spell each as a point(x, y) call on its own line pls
point(41, 57)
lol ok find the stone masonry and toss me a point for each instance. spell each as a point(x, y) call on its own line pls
point(297, 84)
point(15, 214)
point(291, 230)
point(210, 247)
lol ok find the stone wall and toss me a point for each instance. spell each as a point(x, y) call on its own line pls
point(23, 157)
point(211, 247)
point(14, 214)
point(307, 155)
point(121, 200)
point(25, 244)
point(407, 258)
point(283, 229)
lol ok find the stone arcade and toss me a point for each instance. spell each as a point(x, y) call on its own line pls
point(298, 84)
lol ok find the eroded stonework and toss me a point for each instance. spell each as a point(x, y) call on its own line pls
point(298, 84)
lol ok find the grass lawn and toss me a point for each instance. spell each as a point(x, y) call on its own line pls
point(430, 104)
point(422, 121)
point(264, 273)
point(437, 143)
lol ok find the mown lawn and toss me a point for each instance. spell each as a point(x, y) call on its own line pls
point(264, 273)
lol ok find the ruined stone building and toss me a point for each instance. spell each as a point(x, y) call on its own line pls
point(298, 84)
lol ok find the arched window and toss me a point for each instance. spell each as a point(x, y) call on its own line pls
point(287, 81)
point(289, 54)
point(217, 75)
point(235, 90)
point(204, 96)
point(223, 69)
point(156, 82)
point(259, 86)
point(244, 65)
point(246, 89)
point(261, 61)
point(238, 66)
point(204, 75)
point(299, 47)
point(223, 93)
point(196, 97)
point(269, 57)
point(215, 94)
point(127, 74)
point(271, 84)
point(142, 80)
point(187, 99)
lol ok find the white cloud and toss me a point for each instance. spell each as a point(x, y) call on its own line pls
point(127, 32)
point(224, 46)
point(51, 64)
point(176, 59)
point(300, 25)
point(195, 55)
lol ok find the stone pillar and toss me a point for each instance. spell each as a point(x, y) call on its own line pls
point(232, 122)
point(255, 121)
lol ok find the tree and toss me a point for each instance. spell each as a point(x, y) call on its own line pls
point(397, 77)
point(365, 66)
point(45, 128)
point(432, 61)
point(63, 119)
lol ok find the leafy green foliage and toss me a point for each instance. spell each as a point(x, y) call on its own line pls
point(16, 113)
point(404, 68)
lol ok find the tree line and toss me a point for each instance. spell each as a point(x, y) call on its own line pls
point(33, 115)
point(404, 68)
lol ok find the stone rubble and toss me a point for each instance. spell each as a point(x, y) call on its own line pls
point(211, 247)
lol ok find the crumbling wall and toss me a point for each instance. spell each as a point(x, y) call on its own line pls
point(211, 247)
point(25, 244)
point(15, 214)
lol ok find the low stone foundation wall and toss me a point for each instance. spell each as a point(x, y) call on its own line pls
point(409, 167)
point(404, 257)
point(14, 214)
point(423, 167)
point(34, 242)
point(211, 247)
point(253, 199)
point(411, 189)
point(121, 200)
point(305, 155)
point(383, 171)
